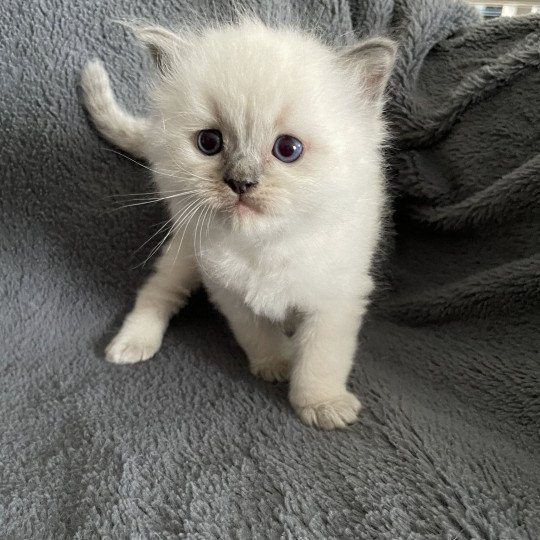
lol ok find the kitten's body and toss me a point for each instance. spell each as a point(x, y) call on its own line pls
point(298, 246)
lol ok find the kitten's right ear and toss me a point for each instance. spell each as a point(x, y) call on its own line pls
point(162, 44)
point(372, 61)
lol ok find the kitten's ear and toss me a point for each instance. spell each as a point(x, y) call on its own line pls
point(371, 61)
point(162, 44)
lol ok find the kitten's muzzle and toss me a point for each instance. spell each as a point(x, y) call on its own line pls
point(240, 187)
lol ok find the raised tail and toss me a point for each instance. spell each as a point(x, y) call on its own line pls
point(116, 125)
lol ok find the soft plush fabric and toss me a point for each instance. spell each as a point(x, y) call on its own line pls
point(189, 444)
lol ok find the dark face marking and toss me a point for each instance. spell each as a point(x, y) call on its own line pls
point(241, 172)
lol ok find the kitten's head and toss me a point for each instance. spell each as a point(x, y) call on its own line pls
point(266, 126)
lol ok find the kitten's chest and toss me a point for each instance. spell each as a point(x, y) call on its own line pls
point(263, 279)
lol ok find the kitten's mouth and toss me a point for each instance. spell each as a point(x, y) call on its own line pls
point(244, 205)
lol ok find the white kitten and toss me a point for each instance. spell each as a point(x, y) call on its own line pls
point(267, 148)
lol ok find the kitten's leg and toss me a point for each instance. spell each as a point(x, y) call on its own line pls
point(268, 350)
point(165, 292)
point(326, 346)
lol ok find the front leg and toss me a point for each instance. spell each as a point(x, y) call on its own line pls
point(165, 292)
point(326, 342)
point(268, 350)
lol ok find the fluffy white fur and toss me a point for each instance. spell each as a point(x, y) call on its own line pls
point(298, 252)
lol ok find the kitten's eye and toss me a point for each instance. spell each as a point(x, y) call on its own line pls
point(209, 141)
point(287, 148)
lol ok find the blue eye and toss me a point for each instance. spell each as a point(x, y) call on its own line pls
point(287, 148)
point(210, 141)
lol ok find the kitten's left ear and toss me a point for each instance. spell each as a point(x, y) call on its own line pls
point(371, 61)
point(162, 44)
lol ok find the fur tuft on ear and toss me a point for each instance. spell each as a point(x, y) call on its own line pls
point(371, 61)
point(162, 44)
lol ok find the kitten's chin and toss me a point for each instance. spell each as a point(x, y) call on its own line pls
point(247, 215)
point(251, 215)
point(243, 214)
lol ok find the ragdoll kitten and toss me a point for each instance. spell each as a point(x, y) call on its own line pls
point(266, 145)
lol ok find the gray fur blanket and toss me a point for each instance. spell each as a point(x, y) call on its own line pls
point(189, 444)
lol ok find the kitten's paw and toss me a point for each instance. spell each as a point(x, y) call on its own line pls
point(332, 413)
point(129, 348)
point(272, 370)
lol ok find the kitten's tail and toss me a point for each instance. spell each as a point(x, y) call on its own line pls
point(116, 125)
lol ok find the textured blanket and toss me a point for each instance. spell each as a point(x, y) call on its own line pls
point(189, 444)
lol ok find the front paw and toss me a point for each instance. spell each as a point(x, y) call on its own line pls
point(129, 347)
point(331, 413)
point(271, 370)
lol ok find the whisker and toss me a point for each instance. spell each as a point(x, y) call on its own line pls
point(142, 194)
point(176, 216)
point(138, 202)
point(148, 240)
point(182, 169)
point(159, 230)
point(153, 201)
point(156, 171)
point(208, 213)
point(201, 251)
point(158, 247)
point(187, 221)
point(157, 194)
point(212, 215)
point(198, 251)
point(195, 234)
point(179, 220)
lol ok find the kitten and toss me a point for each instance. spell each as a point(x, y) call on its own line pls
point(266, 145)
